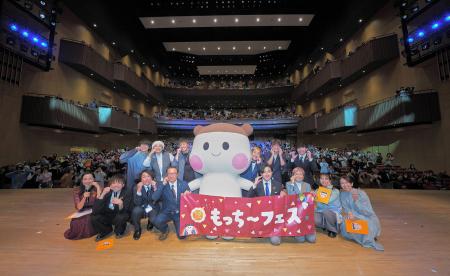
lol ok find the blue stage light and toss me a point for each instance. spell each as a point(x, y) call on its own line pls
point(410, 40)
point(25, 34)
point(35, 39)
point(447, 18)
point(44, 44)
point(13, 27)
point(435, 25)
point(421, 34)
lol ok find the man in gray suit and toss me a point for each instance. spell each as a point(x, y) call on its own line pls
point(158, 160)
point(295, 187)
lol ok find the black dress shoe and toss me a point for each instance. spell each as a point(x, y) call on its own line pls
point(331, 234)
point(101, 236)
point(163, 235)
point(149, 226)
point(137, 235)
point(120, 234)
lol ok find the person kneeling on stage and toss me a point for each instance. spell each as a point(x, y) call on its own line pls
point(356, 205)
point(112, 209)
point(170, 192)
point(266, 185)
point(144, 205)
point(328, 216)
point(295, 187)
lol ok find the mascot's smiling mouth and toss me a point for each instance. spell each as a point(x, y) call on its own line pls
point(217, 154)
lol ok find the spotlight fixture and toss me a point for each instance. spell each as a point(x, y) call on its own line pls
point(152, 21)
point(236, 20)
point(215, 20)
point(94, 25)
point(173, 21)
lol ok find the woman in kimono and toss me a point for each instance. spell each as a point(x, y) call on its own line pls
point(328, 216)
point(84, 197)
point(356, 205)
point(298, 186)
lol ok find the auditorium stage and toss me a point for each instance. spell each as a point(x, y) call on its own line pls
point(415, 234)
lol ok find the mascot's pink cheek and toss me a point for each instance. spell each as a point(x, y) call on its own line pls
point(196, 162)
point(240, 161)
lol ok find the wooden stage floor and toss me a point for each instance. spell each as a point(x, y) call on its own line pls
point(415, 234)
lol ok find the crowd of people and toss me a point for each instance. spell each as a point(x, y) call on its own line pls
point(226, 114)
point(227, 84)
point(122, 186)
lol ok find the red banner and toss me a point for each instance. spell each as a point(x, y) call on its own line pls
point(247, 217)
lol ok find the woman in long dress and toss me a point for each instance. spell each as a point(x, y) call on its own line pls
point(84, 197)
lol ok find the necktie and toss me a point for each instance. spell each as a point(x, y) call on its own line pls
point(172, 187)
point(267, 188)
point(146, 190)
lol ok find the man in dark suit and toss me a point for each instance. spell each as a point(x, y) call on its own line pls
point(303, 158)
point(266, 185)
point(144, 205)
point(158, 160)
point(169, 192)
point(254, 169)
point(276, 161)
point(111, 209)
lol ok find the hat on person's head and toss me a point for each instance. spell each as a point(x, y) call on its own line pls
point(158, 143)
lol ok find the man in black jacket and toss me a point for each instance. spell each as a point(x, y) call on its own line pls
point(112, 209)
point(303, 158)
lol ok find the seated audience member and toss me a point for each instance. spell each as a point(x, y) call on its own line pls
point(266, 185)
point(144, 205)
point(112, 209)
point(181, 162)
point(298, 186)
point(45, 179)
point(254, 169)
point(328, 216)
point(18, 177)
point(100, 176)
point(66, 180)
point(158, 160)
point(84, 198)
point(356, 205)
point(134, 159)
point(169, 192)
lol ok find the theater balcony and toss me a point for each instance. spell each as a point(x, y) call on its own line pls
point(86, 60)
point(399, 111)
point(325, 80)
point(52, 112)
point(257, 124)
point(114, 120)
point(227, 98)
point(146, 125)
point(368, 57)
point(308, 125)
point(340, 119)
point(300, 92)
point(139, 87)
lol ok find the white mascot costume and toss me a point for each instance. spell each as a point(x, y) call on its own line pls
point(221, 152)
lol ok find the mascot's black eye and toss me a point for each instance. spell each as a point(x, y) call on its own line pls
point(225, 145)
point(206, 146)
